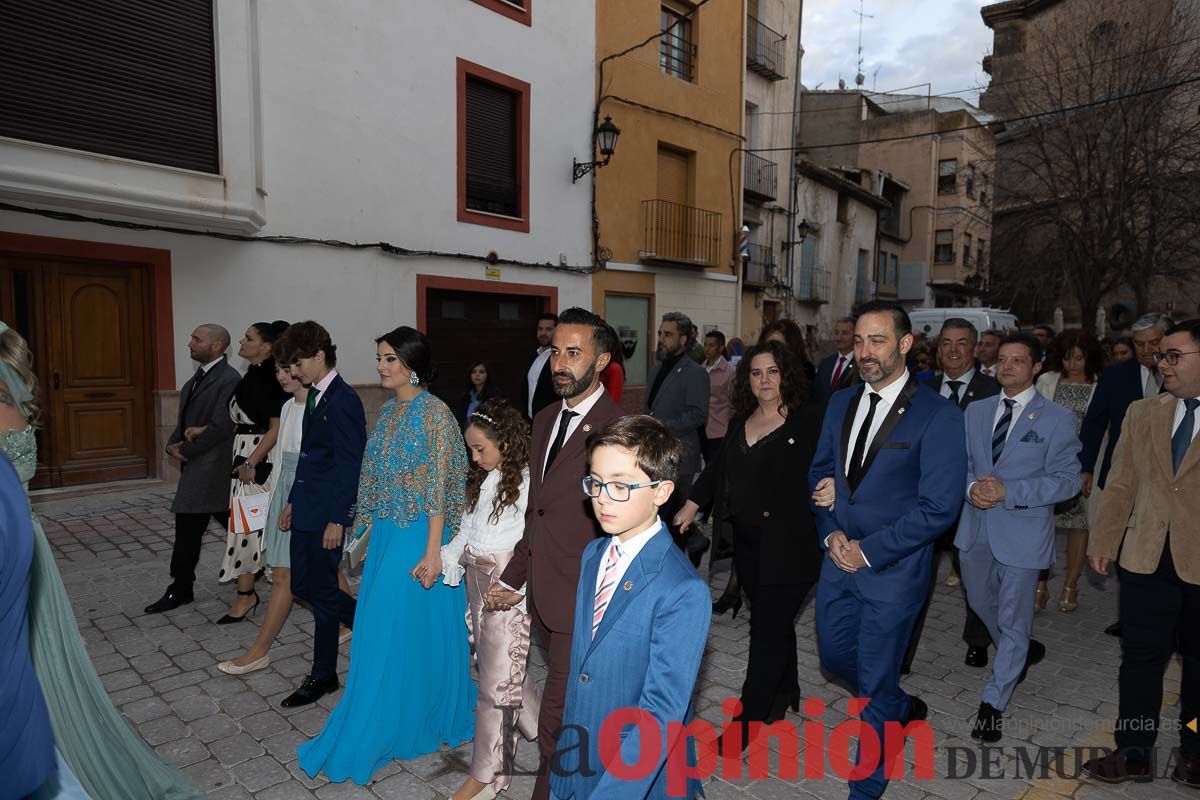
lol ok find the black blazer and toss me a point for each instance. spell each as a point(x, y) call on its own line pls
point(1120, 385)
point(777, 494)
point(331, 454)
point(823, 387)
point(981, 386)
point(543, 394)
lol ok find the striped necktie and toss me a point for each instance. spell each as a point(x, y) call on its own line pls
point(1000, 434)
point(608, 584)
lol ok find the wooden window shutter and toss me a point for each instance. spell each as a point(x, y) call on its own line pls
point(128, 78)
point(672, 176)
point(492, 140)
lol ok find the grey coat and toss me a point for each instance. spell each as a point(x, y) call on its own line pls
point(204, 479)
point(682, 405)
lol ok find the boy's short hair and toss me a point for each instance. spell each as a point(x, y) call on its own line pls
point(306, 339)
point(656, 449)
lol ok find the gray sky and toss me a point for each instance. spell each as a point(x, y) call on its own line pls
point(909, 41)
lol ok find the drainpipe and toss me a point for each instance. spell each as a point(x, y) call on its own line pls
point(793, 175)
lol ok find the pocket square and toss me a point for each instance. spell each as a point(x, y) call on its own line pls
point(894, 446)
point(1032, 438)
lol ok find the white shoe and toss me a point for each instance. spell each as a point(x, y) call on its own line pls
point(229, 668)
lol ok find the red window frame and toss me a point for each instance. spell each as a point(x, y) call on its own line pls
point(524, 16)
point(522, 90)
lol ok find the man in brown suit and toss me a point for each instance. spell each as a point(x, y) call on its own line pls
point(1148, 514)
point(559, 522)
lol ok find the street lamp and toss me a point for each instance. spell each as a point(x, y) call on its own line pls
point(803, 229)
point(606, 139)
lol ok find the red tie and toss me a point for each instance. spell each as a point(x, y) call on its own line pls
point(837, 373)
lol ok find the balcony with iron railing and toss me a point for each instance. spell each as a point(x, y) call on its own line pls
point(761, 269)
point(679, 233)
point(760, 178)
point(765, 52)
point(812, 285)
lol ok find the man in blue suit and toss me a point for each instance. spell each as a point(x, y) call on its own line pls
point(323, 498)
point(1022, 458)
point(641, 622)
point(895, 451)
point(1120, 384)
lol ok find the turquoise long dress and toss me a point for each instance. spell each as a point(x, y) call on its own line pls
point(102, 751)
point(409, 689)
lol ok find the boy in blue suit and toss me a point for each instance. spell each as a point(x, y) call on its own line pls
point(641, 622)
point(1022, 458)
point(323, 499)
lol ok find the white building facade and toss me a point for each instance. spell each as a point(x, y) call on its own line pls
point(441, 130)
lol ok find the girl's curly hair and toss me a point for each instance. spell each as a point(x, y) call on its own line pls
point(793, 385)
point(506, 428)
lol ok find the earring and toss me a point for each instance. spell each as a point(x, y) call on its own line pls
point(414, 379)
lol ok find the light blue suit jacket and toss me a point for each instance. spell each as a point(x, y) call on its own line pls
point(1038, 467)
point(646, 654)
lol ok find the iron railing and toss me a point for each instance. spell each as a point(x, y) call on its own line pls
point(765, 52)
point(812, 285)
point(677, 53)
point(761, 269)
point(760, 178)
point(674, 232)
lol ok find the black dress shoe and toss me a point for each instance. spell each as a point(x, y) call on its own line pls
point(311, 691)
point(988, 724)
point(171, 599)
point(976, 657)
point(1114, 629)
point(1187, 771)
point(917, 710)
point(1037, 651)
point(1116, 768)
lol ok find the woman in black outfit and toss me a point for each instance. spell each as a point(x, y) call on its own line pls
point(758, 484)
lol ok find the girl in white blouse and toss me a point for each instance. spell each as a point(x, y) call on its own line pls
point(497, 492)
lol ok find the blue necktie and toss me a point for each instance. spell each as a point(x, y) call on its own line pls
point(1000, 434)
point(1181, 440)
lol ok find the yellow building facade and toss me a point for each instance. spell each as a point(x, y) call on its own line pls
point(668, 203)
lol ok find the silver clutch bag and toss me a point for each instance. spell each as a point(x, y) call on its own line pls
point(356, 550)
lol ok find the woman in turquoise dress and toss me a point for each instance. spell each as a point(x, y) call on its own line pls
point(409, 690)
point(95, 745)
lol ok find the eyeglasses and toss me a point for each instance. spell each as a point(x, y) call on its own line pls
point(1172, 356)
point(616, 490)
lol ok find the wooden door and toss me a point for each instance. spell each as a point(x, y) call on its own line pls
point(464, 327)
point(674, 240)
point(88, 327)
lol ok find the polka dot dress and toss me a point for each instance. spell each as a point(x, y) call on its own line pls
point(243, 551)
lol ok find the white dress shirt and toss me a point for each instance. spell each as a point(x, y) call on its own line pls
point(629, 550)
point(580, 410)
point(535, 372)
point(320, 386)
point(965, 379)
point(984, 369)
point(480, 535)
point(1150, 378)
point(1180, 410)
point(1023, 400)
point(208, 367)
point(887, 399)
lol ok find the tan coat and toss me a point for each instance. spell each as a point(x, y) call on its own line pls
point(1143, 498)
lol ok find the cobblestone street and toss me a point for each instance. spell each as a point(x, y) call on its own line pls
point(231, 737)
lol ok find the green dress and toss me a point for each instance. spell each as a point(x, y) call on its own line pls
point(103, 752)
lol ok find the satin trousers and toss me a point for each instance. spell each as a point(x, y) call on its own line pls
point(508, 698)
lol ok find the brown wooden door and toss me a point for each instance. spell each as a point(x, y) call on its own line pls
point(498, 329)
point(88, 326)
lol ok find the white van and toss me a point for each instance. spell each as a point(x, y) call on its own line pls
point(929, 320)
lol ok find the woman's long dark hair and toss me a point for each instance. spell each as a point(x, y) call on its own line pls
point(793, 385)
point(470, 387)
point(792, 335)
point(1068, 340)
point(506, 428)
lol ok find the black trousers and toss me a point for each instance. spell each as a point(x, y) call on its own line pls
point(185, 554)
point(772, 670)
point(668, 511)
point(1158, 612)
point(975, 633)
point(314, 580)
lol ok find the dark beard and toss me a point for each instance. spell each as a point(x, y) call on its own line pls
point(577, 386)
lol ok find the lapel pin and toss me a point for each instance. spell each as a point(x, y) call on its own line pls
point(1032, 415)
point(679, 369)
point(587, 426)
point(970, 394)
point(791, 441)
point(900, 410)
point(628, 585)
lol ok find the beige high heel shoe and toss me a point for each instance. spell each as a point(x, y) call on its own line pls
point(1069, 600)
